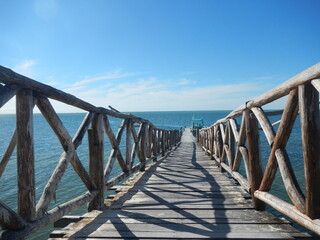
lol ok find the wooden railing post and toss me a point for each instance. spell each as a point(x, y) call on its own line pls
point(96, 156)
point(148, 141)
point(154, 144)
point(211, 143)
point(255, 169)
point(25, 155)
point(128, 146)
point(142, 149)
point(310, 129)
point(197, 135)
point(163, 143)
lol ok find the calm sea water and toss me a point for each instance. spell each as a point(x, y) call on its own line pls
point(48, 151)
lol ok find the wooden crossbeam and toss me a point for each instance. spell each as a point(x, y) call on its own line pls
point(115, 142)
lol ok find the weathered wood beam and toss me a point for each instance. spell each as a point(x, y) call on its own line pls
point(244, 153)
point(67, 143)
point(316, 84)
point(128, 146)
point(147, 142)
point(9, 219)
point(265, 124)
point(49, 190)
point(231, 145)
point(289, 210)
point(123, 175)
point(69, 150)
point(290, 182)
point(143, 145)
point(234, 127)
point(310, 129)
point(155, 143)
point(6, 93)
point(255, 168)
point(54, 121)
point(211, 147)
point(50, 217)
point(163, 150)
point(8, 76)
point(137, 138)
point(241, 180)
point(77, 139)
point(8, 153)
point(25, 155)
point(279, 91)
point(286, 171)
point(115, 142)
point(241, 142)
point(287, 121)
point(96, 159)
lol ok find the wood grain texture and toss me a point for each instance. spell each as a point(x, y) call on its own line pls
point(8, 153)
point(255, 169)
point(287, 122)
point(9, 219)
point(310, 129)
point(25, 155)
point(96, 159)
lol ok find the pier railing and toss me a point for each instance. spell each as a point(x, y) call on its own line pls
point(231, 144)
point(144, 144)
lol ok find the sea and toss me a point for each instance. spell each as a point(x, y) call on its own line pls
point(47, 151)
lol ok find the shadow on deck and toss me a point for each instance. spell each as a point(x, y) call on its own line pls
point(184, 196)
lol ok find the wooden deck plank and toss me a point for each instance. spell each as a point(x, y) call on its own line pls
point(184, 196)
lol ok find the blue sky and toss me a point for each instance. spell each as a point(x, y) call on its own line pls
point(160, 55)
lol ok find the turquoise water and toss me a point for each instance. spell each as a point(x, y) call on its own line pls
point(48, 151)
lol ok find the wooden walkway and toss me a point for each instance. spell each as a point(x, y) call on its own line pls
point(183, 196)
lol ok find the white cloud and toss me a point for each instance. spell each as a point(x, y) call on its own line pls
point(25, 68)
point(184, 81)
point(154, 95)
point(112, 75)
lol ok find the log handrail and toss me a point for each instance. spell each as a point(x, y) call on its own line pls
point(303, 98)
point(146, 144)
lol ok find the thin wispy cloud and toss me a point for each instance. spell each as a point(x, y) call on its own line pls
point(25, 68)
point(117, 74)
point(186, 82)
point(152, 94)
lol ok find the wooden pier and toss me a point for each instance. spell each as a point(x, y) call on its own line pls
point(184, 193)
point(184, 196)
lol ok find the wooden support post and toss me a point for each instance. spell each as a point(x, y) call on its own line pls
point(197, 135)
point(150, 144)
point(96, 155)
point(310, 129)
point(255, 168)
point(231, 145)
point(158, 142)
point(25, 156)
point(148, 141)
point(142, 149)
point(154, 145)
point(211, 142)
point(128, 146)
point(163, 149)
